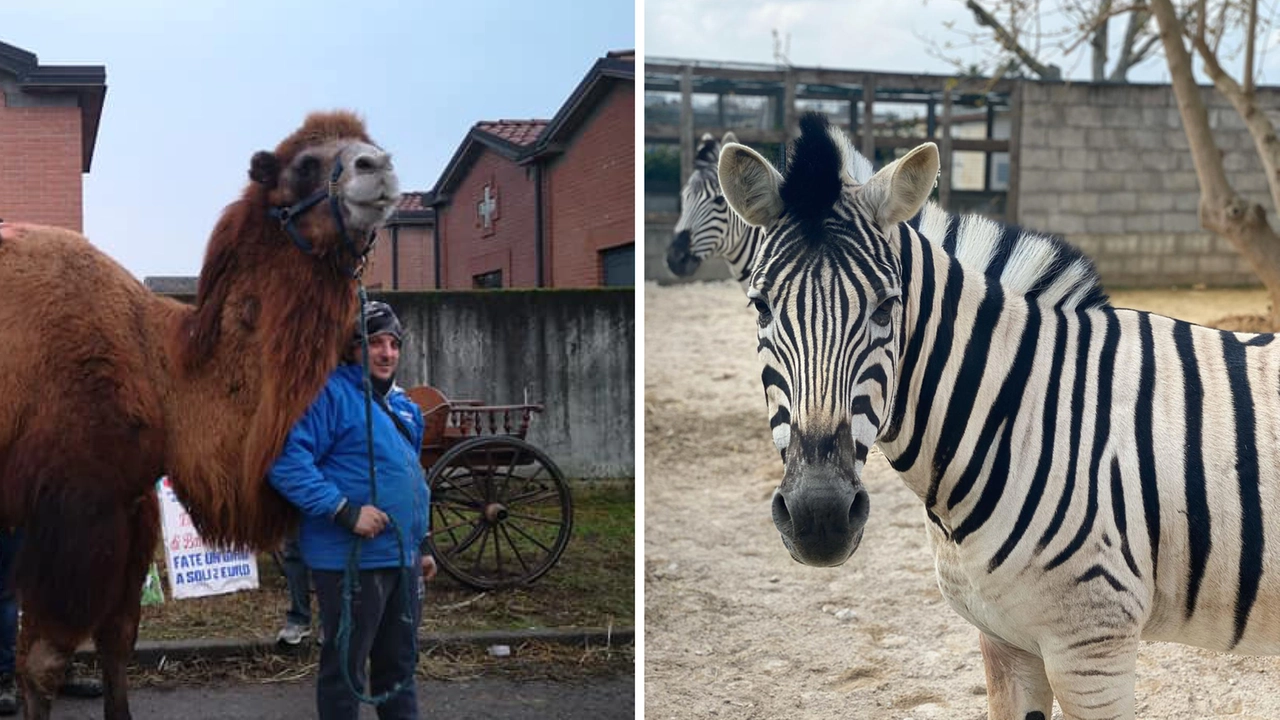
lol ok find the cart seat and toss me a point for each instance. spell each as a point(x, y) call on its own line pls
point(435, 408)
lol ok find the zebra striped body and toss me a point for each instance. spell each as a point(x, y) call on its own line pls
point(1091, 476)
point(706, 227)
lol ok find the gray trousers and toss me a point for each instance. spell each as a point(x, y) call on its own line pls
point(384, 632)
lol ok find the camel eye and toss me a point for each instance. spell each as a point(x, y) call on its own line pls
point(308, 168)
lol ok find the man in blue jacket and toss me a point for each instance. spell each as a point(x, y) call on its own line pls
point(324, 471)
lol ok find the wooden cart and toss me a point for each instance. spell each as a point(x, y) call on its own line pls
point(501, 511)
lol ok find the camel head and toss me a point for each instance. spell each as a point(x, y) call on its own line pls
point(329, 185)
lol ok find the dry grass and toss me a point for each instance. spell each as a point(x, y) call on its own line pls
point(592, 585)
point(527, 661)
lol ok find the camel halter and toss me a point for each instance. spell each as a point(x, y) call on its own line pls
point(286, 214)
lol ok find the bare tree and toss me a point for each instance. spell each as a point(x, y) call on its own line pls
point(1222, 210)
point(1018, 27)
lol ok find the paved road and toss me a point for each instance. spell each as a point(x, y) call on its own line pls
point(591, 699)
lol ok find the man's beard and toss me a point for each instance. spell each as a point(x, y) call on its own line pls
point(382, 387)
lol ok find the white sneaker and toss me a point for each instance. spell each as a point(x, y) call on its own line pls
point(292, 634)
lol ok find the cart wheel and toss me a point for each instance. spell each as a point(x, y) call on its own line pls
point(501, 512)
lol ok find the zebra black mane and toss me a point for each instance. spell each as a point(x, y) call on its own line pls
point(1024, 262)
point(708, 152)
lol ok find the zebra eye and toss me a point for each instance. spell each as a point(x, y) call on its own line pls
point(883, 314)
point(764, 316)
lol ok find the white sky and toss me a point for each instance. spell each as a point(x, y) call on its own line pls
point(884, 35)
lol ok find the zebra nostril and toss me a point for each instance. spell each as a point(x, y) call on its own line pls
point(781, 516)
point(859, 510)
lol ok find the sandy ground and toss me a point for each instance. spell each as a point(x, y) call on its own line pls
point(735, 629)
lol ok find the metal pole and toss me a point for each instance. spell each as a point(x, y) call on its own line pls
point(686, 124)
point(944, 149)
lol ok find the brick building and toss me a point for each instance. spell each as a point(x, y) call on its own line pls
point(403, 258)
point(544, 203)
point(48, 127)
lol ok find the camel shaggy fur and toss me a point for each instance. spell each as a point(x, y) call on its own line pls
point(105, 387)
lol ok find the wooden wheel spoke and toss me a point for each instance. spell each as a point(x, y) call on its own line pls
point(541, 495)
point(529, 537)
point(514, 549)
point(534, 518)
point(467, 489)
point(484, 540)
point(479, 530)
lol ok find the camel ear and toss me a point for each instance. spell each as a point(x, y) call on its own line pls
point(900, 189)
point(264, 169)
point(750, 184)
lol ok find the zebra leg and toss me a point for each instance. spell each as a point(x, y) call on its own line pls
point(1094, 682)
point(1017, 687)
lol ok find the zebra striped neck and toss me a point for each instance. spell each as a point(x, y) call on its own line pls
point(958, 325)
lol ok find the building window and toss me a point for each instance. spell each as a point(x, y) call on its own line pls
point(487, 281)
point(618, 265)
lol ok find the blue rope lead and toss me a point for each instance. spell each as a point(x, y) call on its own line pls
point(351, 577)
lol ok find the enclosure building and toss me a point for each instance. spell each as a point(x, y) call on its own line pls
point(1105, 165)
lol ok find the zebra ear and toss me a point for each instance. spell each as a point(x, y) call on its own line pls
point(729, 137)
point(900, 189)
point(750, 184)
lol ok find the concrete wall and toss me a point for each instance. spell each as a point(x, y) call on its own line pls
point(571, 350)
point(1108, 166)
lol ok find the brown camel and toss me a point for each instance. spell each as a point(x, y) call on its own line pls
point(104, 387)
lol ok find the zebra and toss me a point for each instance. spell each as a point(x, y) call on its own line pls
point(1091, 476)
point(706, 227)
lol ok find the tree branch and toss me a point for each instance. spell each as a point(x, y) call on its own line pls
point(1010, 43)
point(1138, 18)
point(1249, 48)
point(1099, 42)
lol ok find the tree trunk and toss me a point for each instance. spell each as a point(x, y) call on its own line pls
point(1099, 42)
point(1222, 210)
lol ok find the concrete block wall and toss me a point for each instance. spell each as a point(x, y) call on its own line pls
point(1108, 166)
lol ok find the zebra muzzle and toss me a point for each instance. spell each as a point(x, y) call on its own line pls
point(821, 517)
point(680, 261)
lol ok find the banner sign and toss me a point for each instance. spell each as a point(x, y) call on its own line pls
point(196, 570)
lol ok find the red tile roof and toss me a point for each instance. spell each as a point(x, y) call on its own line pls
point(411, 202)
point(516, 132)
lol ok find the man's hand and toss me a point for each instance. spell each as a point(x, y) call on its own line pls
point(428, 568)
point(371, 521)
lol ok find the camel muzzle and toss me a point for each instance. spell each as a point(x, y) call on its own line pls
point(333, 193)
